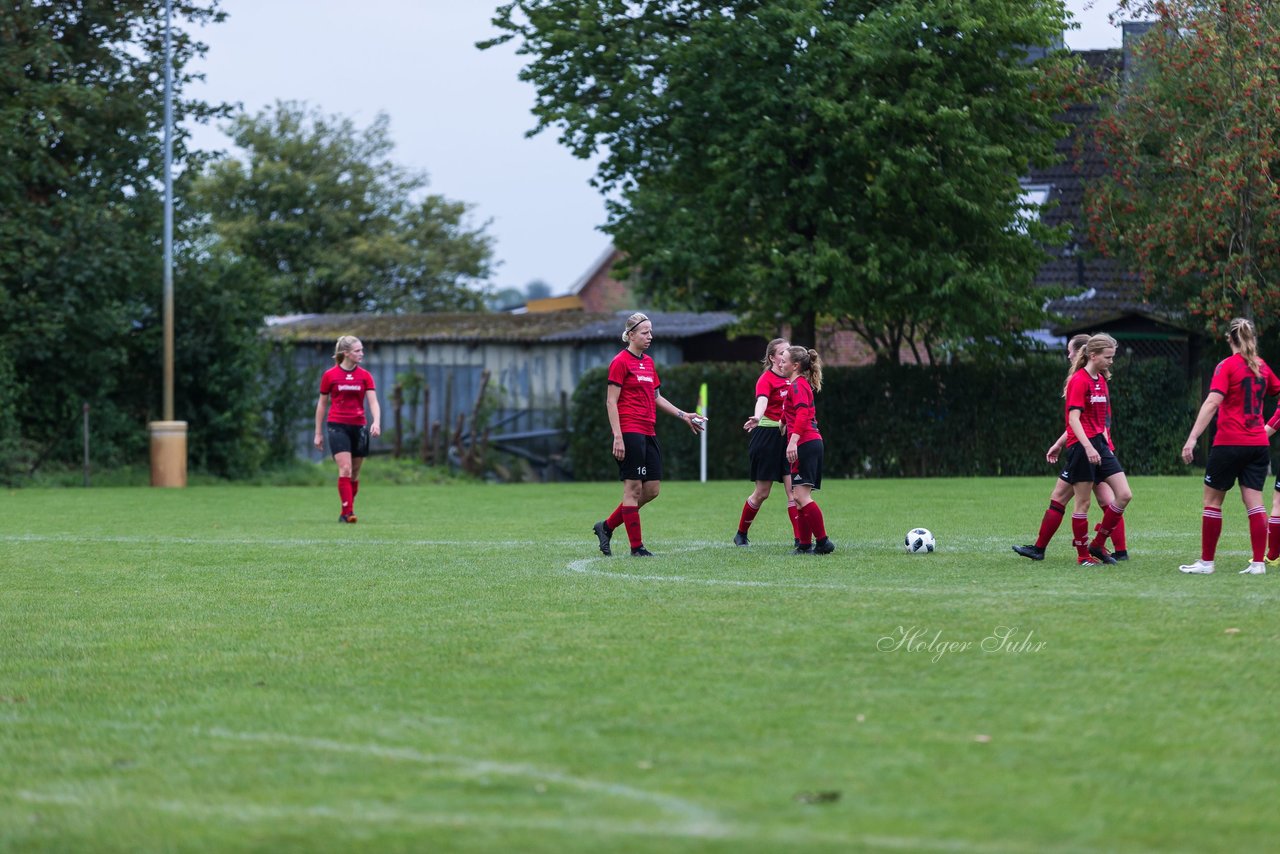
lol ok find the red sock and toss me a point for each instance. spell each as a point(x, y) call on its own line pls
point(615, 518)
point(1117, 536)
point(1049, 524)
point(749, 512)
point(1111, 516)
point(631, 518)
point(355, 490)
point(1273, 539)
point(813, 516)
point(802, 521)
point(344, 495)
point(793, 510)
point(1080, 533)
point(1210, 530)
point(1258, 532)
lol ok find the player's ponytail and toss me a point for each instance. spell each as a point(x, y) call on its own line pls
point(810, 365)
point(1076, 363)
point(1076, 344)
point(345, 345)
point(1242, 336)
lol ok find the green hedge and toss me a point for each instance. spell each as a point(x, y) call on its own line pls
point(905, 421)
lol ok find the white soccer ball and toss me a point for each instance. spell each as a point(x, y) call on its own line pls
point(918, 541)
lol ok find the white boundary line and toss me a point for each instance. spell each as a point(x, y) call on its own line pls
point(684, 817)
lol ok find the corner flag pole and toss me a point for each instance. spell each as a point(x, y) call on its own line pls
point(702, 438)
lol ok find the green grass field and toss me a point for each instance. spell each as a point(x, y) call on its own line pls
point(227, 668)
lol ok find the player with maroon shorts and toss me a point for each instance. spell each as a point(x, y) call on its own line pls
point(344, 390)
point(767, 446)
point(1240, 447)
point(633, 397)
point(804, 446)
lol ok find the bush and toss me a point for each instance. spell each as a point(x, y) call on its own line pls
point(959, 420)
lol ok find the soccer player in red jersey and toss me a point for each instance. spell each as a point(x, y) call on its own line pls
point(767, 446)
point(1090, 459)
point(344, 390)
point(1240, 447)
point(1062, 492)
point(1273, 523)
point(804, 446)
point(634, 395)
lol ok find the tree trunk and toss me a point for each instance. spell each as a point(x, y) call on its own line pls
point(804, 331)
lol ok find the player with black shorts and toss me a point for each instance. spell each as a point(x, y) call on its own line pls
point(1089, 459)
point(1240, 446)
point(767, 447)
point(344, 390)
point(804, 446)
point(1062, 491)
point(631, 401)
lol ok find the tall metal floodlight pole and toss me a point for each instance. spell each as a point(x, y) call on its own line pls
point(168, 437)
point(168, 210)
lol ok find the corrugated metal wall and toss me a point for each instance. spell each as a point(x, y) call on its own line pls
point(531, 382)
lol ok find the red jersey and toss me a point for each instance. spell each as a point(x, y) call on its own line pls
point(1274, 423)
point(773, 387)
point(637, 376)
point(346, 393)
point(798, 412)
point(1240, 412)
point(1091, 396)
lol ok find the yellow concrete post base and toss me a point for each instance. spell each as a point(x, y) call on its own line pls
point(168, 453)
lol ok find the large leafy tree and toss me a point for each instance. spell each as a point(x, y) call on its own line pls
point(787, 158)
point(1192, 138)
point(81, 95)
point(329, 222)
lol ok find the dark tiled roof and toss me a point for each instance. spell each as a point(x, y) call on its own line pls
point(666, 324)
point(1101, 289)
point(478, 328)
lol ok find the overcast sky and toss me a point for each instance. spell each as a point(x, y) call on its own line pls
point(457, 113)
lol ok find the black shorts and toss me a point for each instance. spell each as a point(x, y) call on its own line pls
point(807, 469)
point(1078, 469)
point(768, 451)
point(350, 439)
point(642, 459)
point(1248, 463)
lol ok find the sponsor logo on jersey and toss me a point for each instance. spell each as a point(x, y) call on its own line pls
point(343, 387)
point(1097, 398)
point(643, 379)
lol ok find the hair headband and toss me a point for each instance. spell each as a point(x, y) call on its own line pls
point(634, 325)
